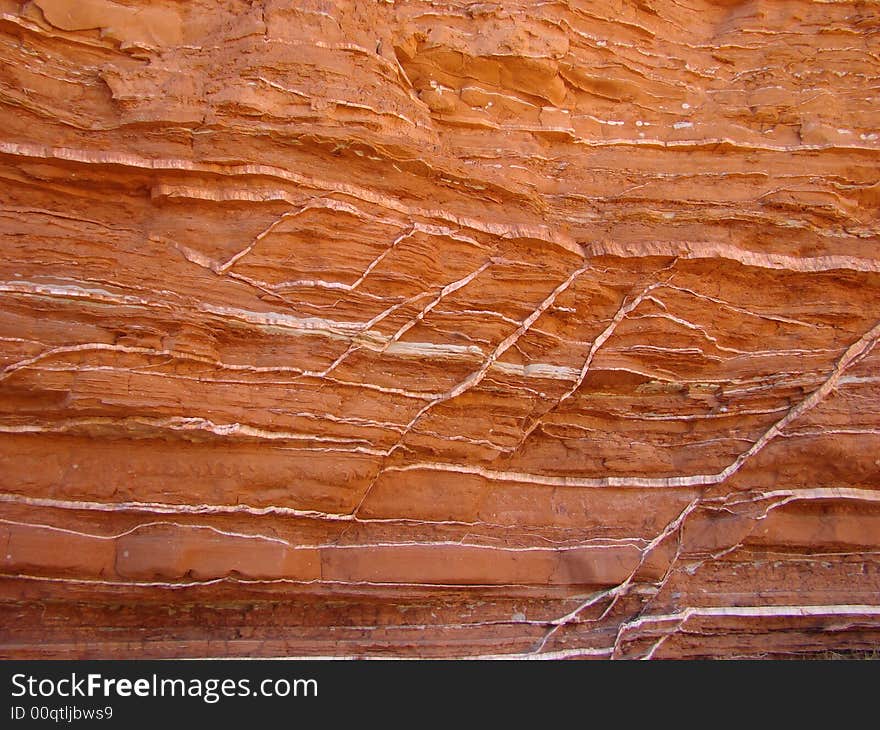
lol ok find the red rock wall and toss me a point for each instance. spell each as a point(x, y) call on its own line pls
point(454, 329)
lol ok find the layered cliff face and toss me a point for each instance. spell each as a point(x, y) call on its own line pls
point(439, 329)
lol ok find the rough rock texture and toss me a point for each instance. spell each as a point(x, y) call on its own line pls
point(439, 329)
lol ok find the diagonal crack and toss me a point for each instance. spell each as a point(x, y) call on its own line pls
point(852, 355)
point(625, 309)
point(477, 376)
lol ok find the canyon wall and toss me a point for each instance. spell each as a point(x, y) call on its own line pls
point(540, 329)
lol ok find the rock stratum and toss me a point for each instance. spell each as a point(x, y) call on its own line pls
point(535, 329)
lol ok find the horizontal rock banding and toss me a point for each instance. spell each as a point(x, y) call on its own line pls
point(397, 329)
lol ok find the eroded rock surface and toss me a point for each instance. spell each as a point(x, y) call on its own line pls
point(439, 329)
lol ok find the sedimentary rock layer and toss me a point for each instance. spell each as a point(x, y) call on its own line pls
point(538, 329)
